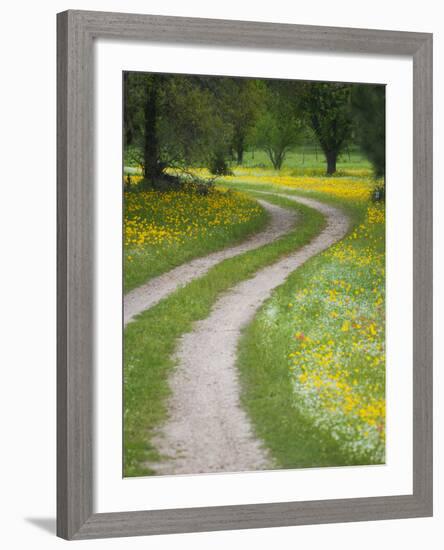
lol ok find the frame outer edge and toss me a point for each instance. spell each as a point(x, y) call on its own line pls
point(423, 274)
point(75, 276)
point(222, 518)
point(256, 34)
point(76, 31)
point(62, 471)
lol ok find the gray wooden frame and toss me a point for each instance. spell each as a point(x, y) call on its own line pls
point(76, 32)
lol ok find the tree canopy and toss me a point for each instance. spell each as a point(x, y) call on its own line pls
point(280, 127)
point(327, 108)
point(368, 102)
point(181, 121)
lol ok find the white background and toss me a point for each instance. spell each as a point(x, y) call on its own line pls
point(28, 252)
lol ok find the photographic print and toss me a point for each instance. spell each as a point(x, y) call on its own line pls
point(253, 273)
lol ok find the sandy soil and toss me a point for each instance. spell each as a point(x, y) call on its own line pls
point(149, 294)
point(207, 430)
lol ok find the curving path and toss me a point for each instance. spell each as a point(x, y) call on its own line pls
point(281, 221)
point(207, 430)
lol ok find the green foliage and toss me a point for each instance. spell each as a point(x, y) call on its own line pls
point(327, 108)
point(180, 121)
point(278, 129)
point(170, 121)
point(218, 165)
point(191, 127)
point(369, 110)
point(243, 104)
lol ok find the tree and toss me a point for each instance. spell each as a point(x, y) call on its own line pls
point(368, 101)
point(243, 104)
point(238, 103)
point(327, 108)
point(152, 165)
point(278, 129)
point(134, 90)
point(170, 121)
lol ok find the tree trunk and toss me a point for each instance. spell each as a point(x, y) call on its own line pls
point(331, 162)
point(277, 159)
point(126, 116)
point(152, 169)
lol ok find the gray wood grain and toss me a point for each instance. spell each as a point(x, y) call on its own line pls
point(423, 273)
point(75, 277)
point(76, 31)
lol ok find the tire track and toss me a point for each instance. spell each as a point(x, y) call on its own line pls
point(146, 296)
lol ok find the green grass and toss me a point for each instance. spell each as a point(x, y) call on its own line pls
point(302, 161)
point(151, 339)
point(306, 161)
point(302, 424)
point(354, 210)
point(268, 397)
point(183, 226)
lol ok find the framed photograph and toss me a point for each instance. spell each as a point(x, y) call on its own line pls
point(244, 275)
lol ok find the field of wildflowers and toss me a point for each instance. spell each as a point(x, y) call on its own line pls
point(312, 363)
point(165, 229)
point(337, 360)
point(327, 327)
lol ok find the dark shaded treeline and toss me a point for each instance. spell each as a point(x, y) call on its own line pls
point(178, 121)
